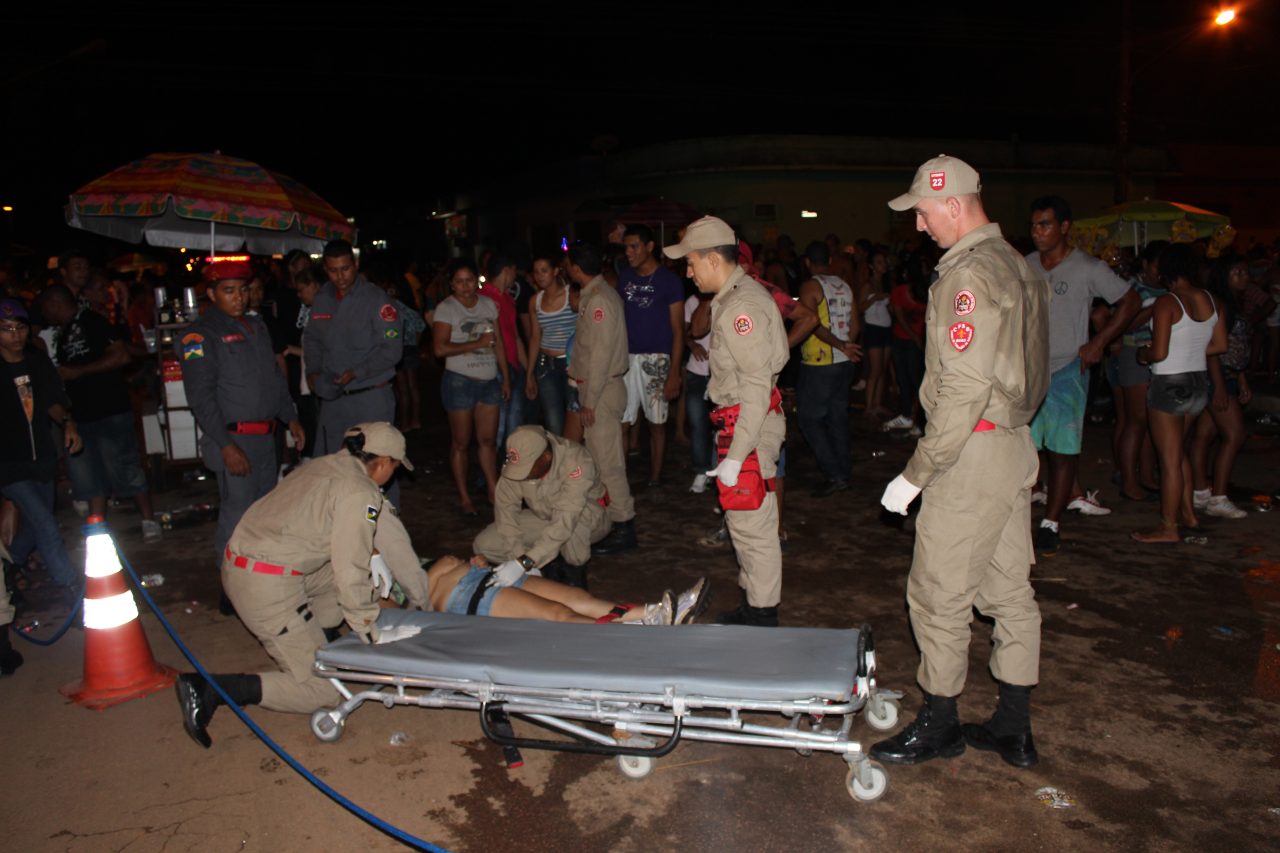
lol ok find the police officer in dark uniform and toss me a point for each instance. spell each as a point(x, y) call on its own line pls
point(351, 345)
point(237, 394)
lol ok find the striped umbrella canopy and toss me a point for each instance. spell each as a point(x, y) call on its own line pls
point(181, 200)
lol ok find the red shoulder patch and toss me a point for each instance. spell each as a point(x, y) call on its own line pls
point(961, 335)
point(742, 324)
point(965, 303)
point(389, 313)
point(597, 315)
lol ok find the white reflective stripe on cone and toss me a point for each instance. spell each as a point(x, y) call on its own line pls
point(100, 558)
point(110, 612)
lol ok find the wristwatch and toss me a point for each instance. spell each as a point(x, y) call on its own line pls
point(525, 561)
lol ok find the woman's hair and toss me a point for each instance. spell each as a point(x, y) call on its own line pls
point(1219, 280)
point(460, 264)
point(1179, 260)
point(355, 446)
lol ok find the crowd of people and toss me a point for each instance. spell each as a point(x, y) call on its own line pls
point(550, 365)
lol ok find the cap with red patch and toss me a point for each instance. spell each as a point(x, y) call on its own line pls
point(226, 270)
point(524, 446)
point(941, 177)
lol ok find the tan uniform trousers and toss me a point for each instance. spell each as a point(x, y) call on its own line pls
point(275, 608)
point(973, 549)
point(604, 442)
point(590, 527)
point(755, 532)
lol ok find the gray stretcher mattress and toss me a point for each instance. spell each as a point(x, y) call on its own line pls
point(721, 661)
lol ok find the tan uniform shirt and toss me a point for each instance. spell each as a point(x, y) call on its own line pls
point(748, 351)
point(325, 512)
point(599, 341)
point(986, 348)
point(570, 488)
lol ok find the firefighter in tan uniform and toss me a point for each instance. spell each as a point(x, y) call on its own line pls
point(748, 350)
point(986, 371)
point(297, 563)
point(598, 363)
point(549, 507)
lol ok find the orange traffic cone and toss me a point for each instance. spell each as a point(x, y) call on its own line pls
point(118, 664)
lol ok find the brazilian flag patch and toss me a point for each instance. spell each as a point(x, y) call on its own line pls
point(391, 333)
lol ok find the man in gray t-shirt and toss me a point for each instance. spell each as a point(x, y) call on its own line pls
point(1075, 279)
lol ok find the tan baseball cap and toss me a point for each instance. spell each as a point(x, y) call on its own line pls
point(941, 177)
point(524, 446)
point(706, 233)
point(382, 439)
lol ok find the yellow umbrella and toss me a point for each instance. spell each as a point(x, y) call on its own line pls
point(1137, 223)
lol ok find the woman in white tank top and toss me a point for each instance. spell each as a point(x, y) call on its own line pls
point(1185, 330)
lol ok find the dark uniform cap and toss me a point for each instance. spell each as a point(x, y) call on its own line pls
point(382, 439)
point(224, 270)
point(524, 446)
point(12, 309)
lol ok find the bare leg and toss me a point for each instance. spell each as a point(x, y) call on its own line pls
point(579, 601)
point(1062, 476)
point(1122, 418)
point(413, 385)
point(487, 436)
point(573, 427)
point(1167, 431)
point(1202, 436)
point(1131, 439)
point(657, 450)
point(143, 500)
point(875, 382)
point(1231, 427)
point(460, 427)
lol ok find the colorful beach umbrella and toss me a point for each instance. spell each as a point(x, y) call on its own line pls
point(197, 200)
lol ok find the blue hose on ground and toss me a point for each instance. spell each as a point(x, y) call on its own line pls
point(75, 611)
point(368, 817)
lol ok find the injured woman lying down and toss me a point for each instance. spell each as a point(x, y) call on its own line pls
point(454, 585)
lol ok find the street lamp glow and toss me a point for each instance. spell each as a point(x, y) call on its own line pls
point(8, 208)
point(1225, 16)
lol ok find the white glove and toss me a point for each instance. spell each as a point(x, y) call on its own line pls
point(400, 632)
point(381, 575)
point(898, 495)
point(727, 472)
point(507, 574)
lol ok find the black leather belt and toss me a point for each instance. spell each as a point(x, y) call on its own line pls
point(347, 393)
point(481, 589)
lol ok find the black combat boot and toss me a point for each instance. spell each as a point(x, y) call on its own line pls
point(762, 617)
point(10, 658)
point(575, 576)
point(934, 734)
point(199, 700)
point(621, 538)
point(1008, 732)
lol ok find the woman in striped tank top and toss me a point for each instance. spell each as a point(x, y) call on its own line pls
point(555, 311)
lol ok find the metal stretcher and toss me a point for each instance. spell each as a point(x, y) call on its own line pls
point(628, 691)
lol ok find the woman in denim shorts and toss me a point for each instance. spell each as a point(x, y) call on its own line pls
point(475, 380)
point(1186, 328)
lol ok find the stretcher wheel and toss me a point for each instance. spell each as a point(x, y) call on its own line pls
point(635, 766)
point(326, 725)
point(867, 794)
point(887, 719)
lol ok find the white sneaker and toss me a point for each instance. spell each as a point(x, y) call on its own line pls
point(699, 484)
point(1200, 498)
point(1039, 496)
point(660, 612)
point(692, 602)
point(1221, 506)
point(1087, 504)
point(860, 385)
point(151, 531)
point(900, 422)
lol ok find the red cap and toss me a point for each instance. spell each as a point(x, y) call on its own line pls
point(95, 519)
point(222, 270)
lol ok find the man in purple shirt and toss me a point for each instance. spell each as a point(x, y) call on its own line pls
point(653, 299)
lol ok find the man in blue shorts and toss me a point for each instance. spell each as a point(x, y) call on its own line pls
point(1076, 279)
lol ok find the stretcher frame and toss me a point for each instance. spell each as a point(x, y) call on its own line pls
point(638, 727)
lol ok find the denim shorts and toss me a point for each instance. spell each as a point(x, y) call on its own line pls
point(461, 393)
point(108, 466)
point(460, 598)
point(1128, 371)
point(1179, 393)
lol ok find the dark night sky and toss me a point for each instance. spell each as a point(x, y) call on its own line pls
point(384, 102)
